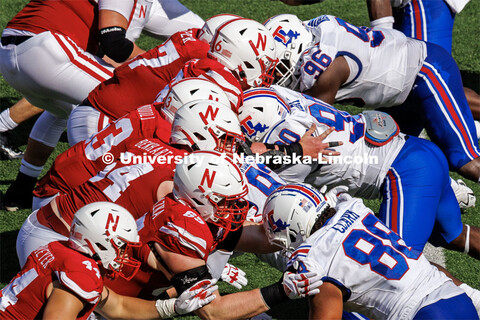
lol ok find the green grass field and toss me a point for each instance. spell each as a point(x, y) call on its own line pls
point(466, 51)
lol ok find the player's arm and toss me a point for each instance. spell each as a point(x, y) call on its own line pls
point(233, 306)
point(113, 28)
point(62, 304)
point(380, 13)
point(328, 304)
point(328, 83)
point(254, 239)
point(115, 306)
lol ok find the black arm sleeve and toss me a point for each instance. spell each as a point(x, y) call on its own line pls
point(114, 43)
point(184, 280)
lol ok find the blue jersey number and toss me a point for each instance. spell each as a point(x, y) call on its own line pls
point(333, 117)
point(261, 179)
point(382, 250)
point(320, 61)
point(363, 33)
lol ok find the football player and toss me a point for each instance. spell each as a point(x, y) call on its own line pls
point(408, 173)
point(66, 278)
point(381, 68)
point(206, 212)
point(139, 81)
point(366, 267)
point(62, 68)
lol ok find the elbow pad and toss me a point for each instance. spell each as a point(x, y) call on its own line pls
point(114, 44)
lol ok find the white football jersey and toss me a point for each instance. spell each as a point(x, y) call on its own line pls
point(383, 62)
point(261, 182)
point(380, 276)
point(361, 165)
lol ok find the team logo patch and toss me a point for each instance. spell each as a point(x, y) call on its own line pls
point(276, 226)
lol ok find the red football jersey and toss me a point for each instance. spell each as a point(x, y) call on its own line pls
point(214, 71)
point(77, 19)
point(26, 295)
point(131, 183)
point(85, 159)
point(175, 227)
point(138, 82)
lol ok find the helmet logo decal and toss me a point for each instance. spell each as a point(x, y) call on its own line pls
point(208, 178)
point(276, 226)
point(211, 112)
point(110, 220)
point(261, 41)
point(285, 38)
point(249, 129)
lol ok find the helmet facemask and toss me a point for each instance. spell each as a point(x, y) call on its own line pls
point(123, 264)
point(229, 212)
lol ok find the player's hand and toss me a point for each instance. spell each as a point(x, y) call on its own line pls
point(200, 294)
point(300, 285)
point(333, 194)
point(314, 146)
point(234, 276)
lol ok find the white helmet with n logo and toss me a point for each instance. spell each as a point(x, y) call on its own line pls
point(246, 48)
point(106, 232)
point(206, 125)
point(190, 89)
point(212, 23)
point(211, 183)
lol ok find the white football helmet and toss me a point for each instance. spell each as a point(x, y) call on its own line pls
point(206, 125)
point(211, 183)
point(246, 48)
point(262, 108)
point(291, 40)
point(106, 232)
point(212, 23)
point(290, 213)
point(190, 89)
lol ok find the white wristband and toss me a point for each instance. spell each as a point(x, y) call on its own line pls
point(166, 308)
point(385, 22)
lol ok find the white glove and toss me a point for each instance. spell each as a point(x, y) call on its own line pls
point(332, 194)
point(300, 285)
point(196, 297)
point(234, 276)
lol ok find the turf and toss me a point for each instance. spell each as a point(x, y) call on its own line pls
point(465, 50)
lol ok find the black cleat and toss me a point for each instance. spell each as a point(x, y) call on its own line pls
point(8, 151)
point(19, 194)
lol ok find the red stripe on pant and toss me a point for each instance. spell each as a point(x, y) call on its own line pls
point(418, 23)
point(451, 109)
point(394, 192)
point(82, 67)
